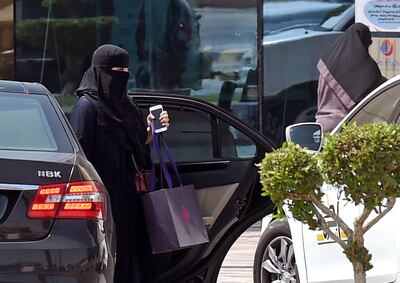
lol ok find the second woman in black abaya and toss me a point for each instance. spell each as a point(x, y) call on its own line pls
point(347, 74)
point(111, 129)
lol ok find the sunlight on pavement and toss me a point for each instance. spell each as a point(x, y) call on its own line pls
point(238, 264)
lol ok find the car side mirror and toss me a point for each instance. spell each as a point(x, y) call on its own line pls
point(307, 135)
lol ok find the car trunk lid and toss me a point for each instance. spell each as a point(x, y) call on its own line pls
point(20, 178)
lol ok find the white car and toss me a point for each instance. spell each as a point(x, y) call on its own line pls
point(289, 252)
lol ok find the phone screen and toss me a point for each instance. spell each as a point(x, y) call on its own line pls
point(156, 113)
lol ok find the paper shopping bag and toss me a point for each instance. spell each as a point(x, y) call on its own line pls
point(173, 219)
point(172, 215)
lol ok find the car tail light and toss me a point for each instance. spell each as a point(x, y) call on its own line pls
point(85, 200)
point(46, 201)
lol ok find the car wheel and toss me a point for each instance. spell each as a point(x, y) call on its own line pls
point(274, 260)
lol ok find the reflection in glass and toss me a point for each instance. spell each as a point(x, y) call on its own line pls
point(6, 40)
point(380, 109)
point(235, 144)
point(56, 38)
point(190, 138)
point(202, 48)
point(296, 33)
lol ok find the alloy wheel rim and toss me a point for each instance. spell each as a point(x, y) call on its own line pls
point(278, 264)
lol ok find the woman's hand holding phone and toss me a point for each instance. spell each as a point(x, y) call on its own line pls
point(159, 117)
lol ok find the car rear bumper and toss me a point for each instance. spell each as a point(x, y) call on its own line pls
point(79, 253)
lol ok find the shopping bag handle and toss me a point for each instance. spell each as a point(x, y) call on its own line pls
point(171, 159)
point(165, 172)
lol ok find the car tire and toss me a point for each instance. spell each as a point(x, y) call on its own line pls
point(274, 260)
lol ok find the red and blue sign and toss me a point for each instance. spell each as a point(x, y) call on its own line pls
point(387, 47)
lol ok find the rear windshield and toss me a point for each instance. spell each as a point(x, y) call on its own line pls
point(30, 123)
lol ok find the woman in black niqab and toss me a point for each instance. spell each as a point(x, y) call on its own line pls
point(107, 90)
point(347, 74)
point(112, 129)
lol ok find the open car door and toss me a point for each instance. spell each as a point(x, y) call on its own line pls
point(217, 153)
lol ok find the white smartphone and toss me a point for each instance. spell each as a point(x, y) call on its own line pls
point(156, 112)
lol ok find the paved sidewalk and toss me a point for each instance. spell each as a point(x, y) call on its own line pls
point(238, 264)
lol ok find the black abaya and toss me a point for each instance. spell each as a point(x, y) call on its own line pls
point(350, 64)
point(114, 166)
point(111, 128)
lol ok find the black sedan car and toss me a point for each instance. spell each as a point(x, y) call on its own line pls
point(55, 219)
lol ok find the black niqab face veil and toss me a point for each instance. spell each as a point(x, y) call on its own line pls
point(350, 64)
point(107, 90)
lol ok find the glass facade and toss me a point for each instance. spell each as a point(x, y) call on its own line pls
point(295, 35)
point(202, 48)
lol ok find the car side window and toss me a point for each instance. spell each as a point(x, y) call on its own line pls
point(235, 144)
point(380, 109)
point(195, 136)
point(190, 135)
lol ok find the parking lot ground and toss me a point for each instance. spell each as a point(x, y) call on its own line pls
point(238, 264)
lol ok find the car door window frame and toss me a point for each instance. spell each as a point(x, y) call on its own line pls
point(216, 135)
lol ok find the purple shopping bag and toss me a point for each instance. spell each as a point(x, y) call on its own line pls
point(172, 215)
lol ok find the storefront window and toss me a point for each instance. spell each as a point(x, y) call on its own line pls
point(202, 48)
point(6, 40)
point(296, 33)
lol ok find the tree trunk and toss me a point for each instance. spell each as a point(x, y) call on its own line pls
point(359, 273)
point(359, 253)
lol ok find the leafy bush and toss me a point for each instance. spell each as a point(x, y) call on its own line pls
point(366, 159)
point(291, 174)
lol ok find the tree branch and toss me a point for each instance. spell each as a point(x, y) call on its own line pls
point(359, 221)
point(326, 228)
point(334, 216)
point(390, 205)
